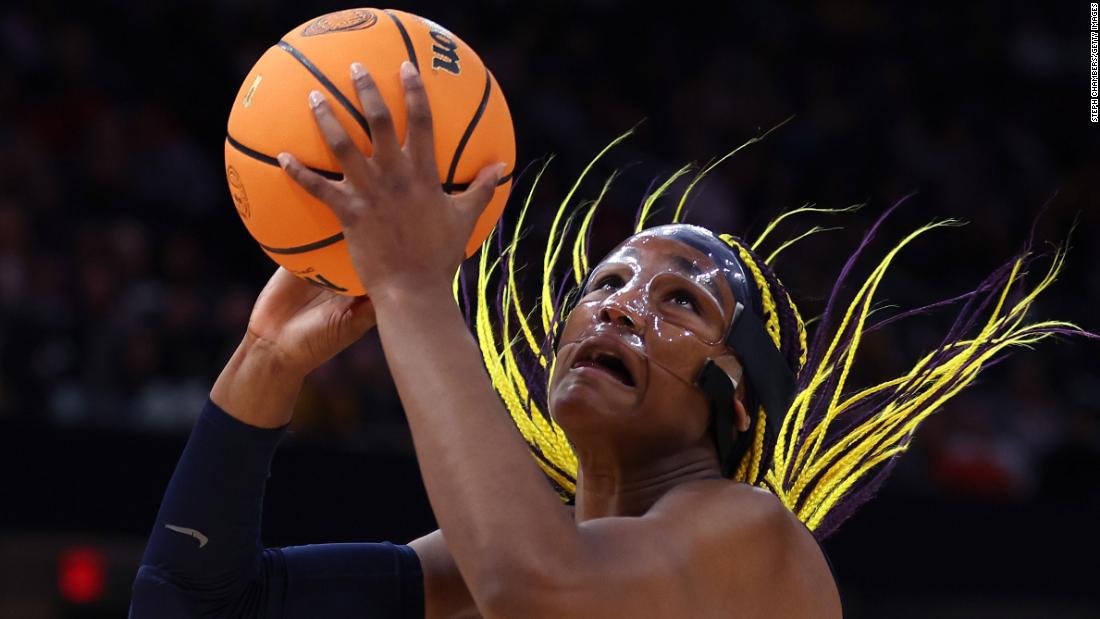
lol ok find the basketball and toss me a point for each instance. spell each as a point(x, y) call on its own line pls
point(473, 129)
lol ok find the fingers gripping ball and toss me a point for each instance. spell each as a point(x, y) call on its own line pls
point(473, 129)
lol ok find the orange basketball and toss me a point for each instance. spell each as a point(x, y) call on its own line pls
point(473, 129)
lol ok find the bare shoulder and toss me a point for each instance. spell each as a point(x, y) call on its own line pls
point(733, 506)
point(750, 553)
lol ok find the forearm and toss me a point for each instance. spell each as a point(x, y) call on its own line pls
point(485, 489)
point(205, 545)
point(204, 550)
point(256, 386)
point(205, 556)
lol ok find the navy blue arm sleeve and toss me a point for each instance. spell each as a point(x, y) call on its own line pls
point(204, 557)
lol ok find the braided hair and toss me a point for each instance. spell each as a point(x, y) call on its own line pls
point(835, 445)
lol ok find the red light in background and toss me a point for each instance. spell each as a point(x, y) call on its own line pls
point(81, 574)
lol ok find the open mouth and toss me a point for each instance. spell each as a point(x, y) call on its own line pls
point(605, 361)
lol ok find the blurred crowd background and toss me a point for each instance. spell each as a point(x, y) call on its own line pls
point(126, 277)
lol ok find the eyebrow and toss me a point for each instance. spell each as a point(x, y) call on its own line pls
point(689, 268)
point(692, 269)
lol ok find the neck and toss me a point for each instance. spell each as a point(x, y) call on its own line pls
point(607, 486)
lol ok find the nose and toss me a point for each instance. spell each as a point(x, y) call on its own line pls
point(620, 311)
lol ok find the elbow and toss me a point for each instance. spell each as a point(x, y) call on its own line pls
point(153, 595)
point(156, 594)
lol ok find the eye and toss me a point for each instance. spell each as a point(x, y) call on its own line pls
point(608, 282)
point(684, 299)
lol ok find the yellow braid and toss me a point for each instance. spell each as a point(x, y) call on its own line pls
point(771, 317)
point(749, 469)
point(810, 471)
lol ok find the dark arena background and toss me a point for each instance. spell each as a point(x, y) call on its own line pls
point(126, 277)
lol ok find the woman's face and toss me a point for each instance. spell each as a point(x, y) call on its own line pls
point(653, 312)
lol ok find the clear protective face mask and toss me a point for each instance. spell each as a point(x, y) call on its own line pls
point(668, 310)
point(644, 307)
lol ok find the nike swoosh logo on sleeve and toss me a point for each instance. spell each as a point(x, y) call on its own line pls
point(192, 532)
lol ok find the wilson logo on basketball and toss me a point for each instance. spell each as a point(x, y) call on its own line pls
point(341, 21)
point(444, 52)
point(236, 189)
point(312, 276)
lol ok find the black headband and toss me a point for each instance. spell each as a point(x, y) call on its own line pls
point(772, 384)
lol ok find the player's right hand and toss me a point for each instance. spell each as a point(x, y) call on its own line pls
point(304, 325)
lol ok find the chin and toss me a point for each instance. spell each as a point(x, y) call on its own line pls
point(579, 405)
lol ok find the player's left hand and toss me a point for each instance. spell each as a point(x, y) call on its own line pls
point(402, 230)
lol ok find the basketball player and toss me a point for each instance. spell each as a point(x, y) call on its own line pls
point(680, 371)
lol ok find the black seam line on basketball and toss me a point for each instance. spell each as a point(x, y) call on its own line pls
point(301, 249)
point(269, 160)
point(336, 176)
point(329, 86)
point(453, 187)
point(470, 128)
point(409, 49)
